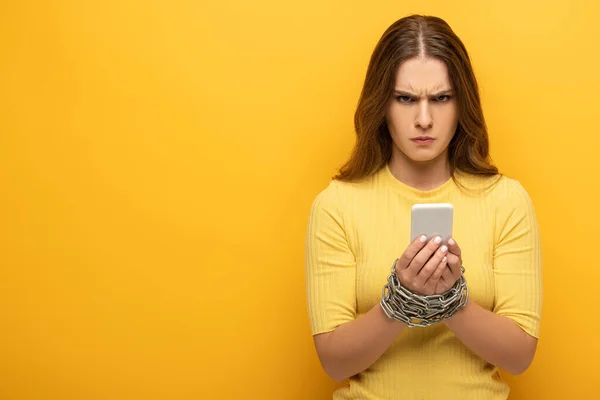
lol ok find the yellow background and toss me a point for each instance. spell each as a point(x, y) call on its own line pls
point(157, 164)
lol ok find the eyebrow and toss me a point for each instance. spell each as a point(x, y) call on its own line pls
point(440, 93)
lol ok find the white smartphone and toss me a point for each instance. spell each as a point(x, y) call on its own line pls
point(434, 219)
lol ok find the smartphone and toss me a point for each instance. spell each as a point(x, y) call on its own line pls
point(433, 219)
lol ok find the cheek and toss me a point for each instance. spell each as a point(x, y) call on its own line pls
point(398, 122)
point(450, 116)
point(447, 121)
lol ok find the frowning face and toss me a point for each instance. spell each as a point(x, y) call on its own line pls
point(422, 114)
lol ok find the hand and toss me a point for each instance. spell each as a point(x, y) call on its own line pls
point(422, 265)
point(454, 270)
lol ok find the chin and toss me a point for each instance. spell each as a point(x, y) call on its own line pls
point(422, 160)
point(422, 157)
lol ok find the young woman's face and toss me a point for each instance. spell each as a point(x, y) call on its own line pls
point(422, 114)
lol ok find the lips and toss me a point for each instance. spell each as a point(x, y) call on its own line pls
point(423, 138)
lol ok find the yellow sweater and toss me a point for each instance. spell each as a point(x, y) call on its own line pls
point(356, 231)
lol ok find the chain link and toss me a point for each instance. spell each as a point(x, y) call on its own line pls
point(419, 310)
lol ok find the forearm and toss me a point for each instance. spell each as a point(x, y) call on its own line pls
point(356, 345)
point(495, 338)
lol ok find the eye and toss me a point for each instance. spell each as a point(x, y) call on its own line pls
point(443, 98)
point(404, 99)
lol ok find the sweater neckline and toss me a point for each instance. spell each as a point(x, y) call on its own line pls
point(414, 193)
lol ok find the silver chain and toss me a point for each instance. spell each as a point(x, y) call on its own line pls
point(419, 310)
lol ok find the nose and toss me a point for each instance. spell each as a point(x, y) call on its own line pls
point(424, 119)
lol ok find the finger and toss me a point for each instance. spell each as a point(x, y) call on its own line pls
point(444, 284)
point(454, 248)
point(411, 251)
point(447, 277)
point(438, 273)
point(430, 267)
point(423, 255)
point(455, 265)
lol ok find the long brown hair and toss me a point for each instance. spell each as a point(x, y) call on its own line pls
point(409, 37)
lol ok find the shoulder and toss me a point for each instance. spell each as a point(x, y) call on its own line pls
point(329, 195)
point(340, 199)
point(327, 201)
point(511, 193)
point(340, 192)
point(501, 189)
point(502, 196)
point(326, 211)
point(513, 204)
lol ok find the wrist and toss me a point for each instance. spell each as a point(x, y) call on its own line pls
point(459, 315)
point(391, 323)
point(412, 309)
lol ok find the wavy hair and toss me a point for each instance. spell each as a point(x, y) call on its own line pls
point(410, 37)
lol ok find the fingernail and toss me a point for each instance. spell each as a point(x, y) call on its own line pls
point(437, 240)
point(423, 239)
point(444, 259)
point(451, 242)
point(444, 249)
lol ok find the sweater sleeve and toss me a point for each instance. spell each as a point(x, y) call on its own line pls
point(517, 259)
point(330, 265)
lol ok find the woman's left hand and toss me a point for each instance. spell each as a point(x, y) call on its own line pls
point(453, 270)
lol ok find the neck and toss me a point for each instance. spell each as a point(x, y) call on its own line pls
point(425, 175)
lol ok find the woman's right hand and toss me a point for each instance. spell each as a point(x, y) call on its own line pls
point(422, 265)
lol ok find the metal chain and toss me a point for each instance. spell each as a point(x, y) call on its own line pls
point(418, 310)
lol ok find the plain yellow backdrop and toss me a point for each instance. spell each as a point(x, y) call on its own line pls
point(158, 160)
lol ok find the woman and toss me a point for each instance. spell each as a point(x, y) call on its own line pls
point(422, 138)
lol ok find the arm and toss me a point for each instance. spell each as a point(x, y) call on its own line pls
point(354, 346)
point(495, 338)
point(345, 344)
point(507, 336)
